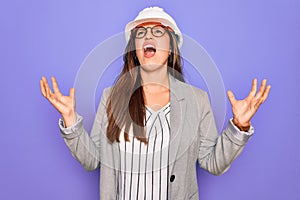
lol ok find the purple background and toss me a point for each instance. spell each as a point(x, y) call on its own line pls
point(246, 39)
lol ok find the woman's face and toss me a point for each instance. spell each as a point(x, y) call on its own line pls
point(152, 51)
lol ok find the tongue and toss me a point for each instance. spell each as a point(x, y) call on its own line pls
point(149, 53)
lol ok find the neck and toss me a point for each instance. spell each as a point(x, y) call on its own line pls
point(155, 81)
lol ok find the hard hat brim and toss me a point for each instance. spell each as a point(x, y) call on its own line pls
point(131, 25)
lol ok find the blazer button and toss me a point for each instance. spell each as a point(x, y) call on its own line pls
point(172, 178)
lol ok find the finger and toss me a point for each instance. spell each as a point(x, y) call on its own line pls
point(253, 89)
point(257, 104)
point(42, 87)
point(49, 93)
point(72, 93)
point(261, 89)
point(266, 93)
point(231, 97)
point(46, 87)
point(264, 97)
point(55, 86)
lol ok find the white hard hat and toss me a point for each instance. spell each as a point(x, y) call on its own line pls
point(154, 14)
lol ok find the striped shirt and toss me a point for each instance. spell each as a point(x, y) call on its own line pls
point(144, 168)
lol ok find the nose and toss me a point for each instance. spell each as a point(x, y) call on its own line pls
point(148, 33)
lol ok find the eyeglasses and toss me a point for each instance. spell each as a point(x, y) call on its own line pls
point(157, 31)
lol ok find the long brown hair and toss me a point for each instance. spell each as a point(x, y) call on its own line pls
point(126, 102)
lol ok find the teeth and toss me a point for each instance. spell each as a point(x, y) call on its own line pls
point(149, 46)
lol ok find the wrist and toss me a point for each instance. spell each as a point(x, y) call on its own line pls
point(241, 126)
point(69, 119)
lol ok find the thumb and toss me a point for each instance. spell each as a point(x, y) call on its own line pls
point(72, 93)
point(231, 97)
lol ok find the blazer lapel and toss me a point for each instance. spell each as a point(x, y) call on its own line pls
point(177, 115)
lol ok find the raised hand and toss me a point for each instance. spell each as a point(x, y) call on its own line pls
point(243, 110)
point(63, 104)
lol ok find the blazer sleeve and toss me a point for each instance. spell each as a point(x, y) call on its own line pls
point(84, 147)
point(217, 152)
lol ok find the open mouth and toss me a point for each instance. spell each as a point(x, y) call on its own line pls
point(149, 50)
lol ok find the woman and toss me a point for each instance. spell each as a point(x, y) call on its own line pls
point(151, 127)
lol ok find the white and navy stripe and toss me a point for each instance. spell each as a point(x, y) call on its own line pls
point(144, 168)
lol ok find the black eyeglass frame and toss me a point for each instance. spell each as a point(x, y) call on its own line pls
point(165, 28)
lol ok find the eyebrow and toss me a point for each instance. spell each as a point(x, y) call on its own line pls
point(154, 23)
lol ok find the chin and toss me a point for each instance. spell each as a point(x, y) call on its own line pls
point(154, 61)
point(153, 67)
point(150, 66)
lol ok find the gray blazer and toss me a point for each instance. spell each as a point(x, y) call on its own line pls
point(193, 138)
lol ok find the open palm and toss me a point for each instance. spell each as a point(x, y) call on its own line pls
point(63, 104)
point(244, 110)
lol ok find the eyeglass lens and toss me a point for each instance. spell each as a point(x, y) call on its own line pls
point(156, 31)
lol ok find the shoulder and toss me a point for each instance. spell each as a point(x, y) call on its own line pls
point(106, 92)
point(190, 90)
point(196, 99)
